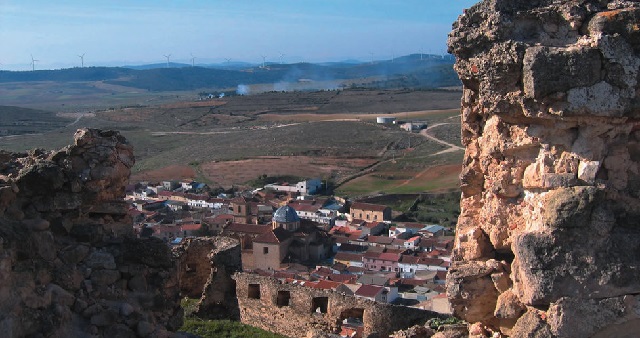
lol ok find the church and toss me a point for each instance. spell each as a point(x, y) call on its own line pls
point(290, 241)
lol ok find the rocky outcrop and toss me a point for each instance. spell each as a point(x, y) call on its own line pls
point(69, 263)
point(205, 269)
point(548, 241)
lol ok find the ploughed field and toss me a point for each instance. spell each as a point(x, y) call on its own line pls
point(328, 134)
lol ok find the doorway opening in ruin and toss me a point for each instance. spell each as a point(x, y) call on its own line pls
point(319, 304)
point(351, 322)
point(254, 291)
point(283, 298)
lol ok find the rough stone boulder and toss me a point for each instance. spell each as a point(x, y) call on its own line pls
point(69, 263)
point(548, 241)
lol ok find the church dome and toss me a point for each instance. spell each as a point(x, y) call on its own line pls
point(286, 214)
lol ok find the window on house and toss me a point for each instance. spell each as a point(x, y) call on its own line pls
point(375, 217)
point(254, 291)
point(319, 304)
point(283, 298)
point(360, 216)
point(367, 217)
point(265, 250)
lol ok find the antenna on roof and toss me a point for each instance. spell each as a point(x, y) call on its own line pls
point(193, 60)
point(33, 63)
point(82, 60)
point(168, 57)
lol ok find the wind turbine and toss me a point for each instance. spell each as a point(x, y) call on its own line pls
point(168, 57)
point(421, 53)
point(263, 58)
point(281, 58)
point(193, 60)
point(371, 53)
point(33, 63)
point(82, 60)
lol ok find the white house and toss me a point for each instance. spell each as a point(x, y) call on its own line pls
point(412, 242)
point(306, 187)
point(382, 294)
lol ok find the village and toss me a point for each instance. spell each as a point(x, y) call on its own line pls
point(289, 232)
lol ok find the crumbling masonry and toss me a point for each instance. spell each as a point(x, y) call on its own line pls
point(205, 269)
point(548, 241)
point(69, 263)
point(296, 311)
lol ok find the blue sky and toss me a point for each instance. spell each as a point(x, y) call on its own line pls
point(119, 32)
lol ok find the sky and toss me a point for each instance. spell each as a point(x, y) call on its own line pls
point(132, 32)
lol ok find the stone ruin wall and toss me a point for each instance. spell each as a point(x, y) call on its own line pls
point(69, 263)
point(205, 270)
point(290, 309)
point(548, 241)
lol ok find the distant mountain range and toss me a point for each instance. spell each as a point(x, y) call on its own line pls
point(411, 71)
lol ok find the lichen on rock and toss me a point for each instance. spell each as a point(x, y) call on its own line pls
point(551, 175)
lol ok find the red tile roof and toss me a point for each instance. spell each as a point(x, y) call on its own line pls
point(248, 228)
point(380, 239)
point(372, 254)
point(355, 235)
point(417, 226)
point(409, 259)
point(275, 236)
point(326, 285)
point(356, 269)
point(305, 207)
point(369, 291)
point(190, 226)
point(345, 256)
point(412, 281)
point(430, 261)
point(343, 278)
point(398, 242)
point(441, 275)
point(392, 257)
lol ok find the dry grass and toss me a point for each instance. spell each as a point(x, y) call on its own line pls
point(227, 173)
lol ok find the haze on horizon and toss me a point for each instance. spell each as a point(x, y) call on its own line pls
point(116, 33)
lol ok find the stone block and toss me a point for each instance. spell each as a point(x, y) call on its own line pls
point(104, 277)
point(101, 260)
point(548, 70)
point(508, 306)
point(553, 181)
point(587, 171)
